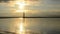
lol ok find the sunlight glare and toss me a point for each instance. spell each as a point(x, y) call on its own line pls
point(21, 27)
point(21, 5)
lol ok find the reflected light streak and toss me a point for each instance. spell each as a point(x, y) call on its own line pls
point(21, 27)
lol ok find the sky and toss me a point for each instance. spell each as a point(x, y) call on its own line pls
point(40, 8)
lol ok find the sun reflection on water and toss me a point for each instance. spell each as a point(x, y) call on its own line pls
point(21, 27)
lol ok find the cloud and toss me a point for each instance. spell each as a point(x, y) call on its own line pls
point(6, 0)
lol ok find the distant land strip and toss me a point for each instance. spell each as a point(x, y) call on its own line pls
point(28, 17)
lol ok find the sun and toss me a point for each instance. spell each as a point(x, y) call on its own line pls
point(21, 5)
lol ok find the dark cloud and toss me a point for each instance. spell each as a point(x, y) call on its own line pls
point(6, 0)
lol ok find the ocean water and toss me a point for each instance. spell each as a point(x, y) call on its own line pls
point(31, 25)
